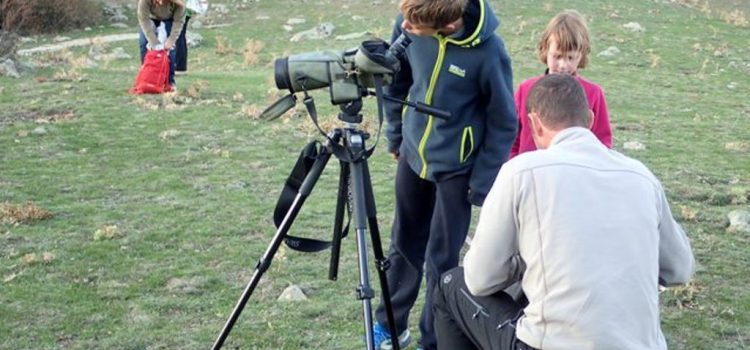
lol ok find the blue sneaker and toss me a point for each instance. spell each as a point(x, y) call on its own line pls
point(383, 338)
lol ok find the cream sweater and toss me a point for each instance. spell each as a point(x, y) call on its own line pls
point(590, 234)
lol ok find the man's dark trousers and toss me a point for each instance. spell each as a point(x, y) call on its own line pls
point(429, 229)
point(181, 48)
point(465, 322)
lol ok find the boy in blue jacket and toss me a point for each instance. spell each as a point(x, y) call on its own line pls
point(457, 63)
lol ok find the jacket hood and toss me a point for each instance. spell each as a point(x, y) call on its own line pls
point(480, 23)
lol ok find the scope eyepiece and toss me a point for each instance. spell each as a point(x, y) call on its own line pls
point(281, 74)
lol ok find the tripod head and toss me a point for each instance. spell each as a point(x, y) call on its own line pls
point(350, 112)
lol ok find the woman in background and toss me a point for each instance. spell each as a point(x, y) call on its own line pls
point(151, 14)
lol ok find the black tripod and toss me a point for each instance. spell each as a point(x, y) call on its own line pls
point(347, 144)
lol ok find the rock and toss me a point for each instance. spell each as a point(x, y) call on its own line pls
point(118, 54)
point(196, 24)
point(8, 44)
point(119, 25)
point(287, 28)
point(193, 39)
point(739, 221)
point(732, 85)
point(292, 293)
point(40, 131)
point(262, 17)
point(118, 18)
point(634, 146)
point(357, 18)
point(322, 31)
point(96, 51)
point(295, 21)
point(60, 38)
point(634, 27)
point(220, 9)
point(611, 51)
point(87, 29)
point(8, 68)
point(352, 36)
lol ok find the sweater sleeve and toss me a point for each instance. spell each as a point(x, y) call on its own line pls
point(676, 262)
point(493, 261)
point(601, 126)
point(500, 128)
point(521, 112)
point(399, 89)
point(178, 20)
point(144, 20)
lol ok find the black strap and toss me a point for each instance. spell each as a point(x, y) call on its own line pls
point(291, 188)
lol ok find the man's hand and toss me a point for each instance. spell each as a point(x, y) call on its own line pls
point(168, 46)
point(394, 155)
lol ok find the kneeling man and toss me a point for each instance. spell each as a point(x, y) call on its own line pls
point(586, 230)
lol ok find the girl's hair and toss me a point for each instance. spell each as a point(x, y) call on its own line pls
point(433, 13)
point(572, 34)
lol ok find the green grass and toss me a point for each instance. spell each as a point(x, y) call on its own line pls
point(191, 184)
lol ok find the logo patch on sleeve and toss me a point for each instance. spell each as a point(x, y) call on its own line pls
point(457, 70)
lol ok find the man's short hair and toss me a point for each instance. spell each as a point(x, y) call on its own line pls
point(559, 101)
point(433, 13)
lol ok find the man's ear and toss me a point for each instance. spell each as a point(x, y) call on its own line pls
point(536, 125)
point(591, 118)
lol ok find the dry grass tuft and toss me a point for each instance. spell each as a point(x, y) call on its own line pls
point(107, 232)
point(685, 296)
point(251, 111)
point(689, 213)
point(223, 47)
point(72, 75)
point(22, 214)
point(736, 17)
point(169, 134)
point(55, 116)
point(195, 89)
point(146, 104)
point(251, 51)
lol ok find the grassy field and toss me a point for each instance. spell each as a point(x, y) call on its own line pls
point(134, 222)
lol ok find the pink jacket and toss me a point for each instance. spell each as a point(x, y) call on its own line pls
point(601, 128)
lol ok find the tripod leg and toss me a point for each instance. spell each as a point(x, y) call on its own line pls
point(380, 260)
point(342, 198)
point(365, 292)
point(265, 262)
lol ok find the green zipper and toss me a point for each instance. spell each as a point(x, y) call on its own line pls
point(428, 100)
point(472, 40)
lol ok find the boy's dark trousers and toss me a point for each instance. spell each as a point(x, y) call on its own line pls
point(181, 48)
point(466, 321)
point(429, 229)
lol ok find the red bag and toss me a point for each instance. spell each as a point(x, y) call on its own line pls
point(153, 78)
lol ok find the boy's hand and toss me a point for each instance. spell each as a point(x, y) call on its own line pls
point(168, 46)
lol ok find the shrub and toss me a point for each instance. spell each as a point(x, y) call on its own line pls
point(46, 16)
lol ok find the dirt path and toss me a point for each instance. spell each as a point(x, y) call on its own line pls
point(78, 42)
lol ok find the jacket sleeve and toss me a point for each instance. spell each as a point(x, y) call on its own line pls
point(399, 88)
point(676, 262)
point(493, 261)
point(500, 128)
point(521, 114)
point(144, 20)
point(601, 126)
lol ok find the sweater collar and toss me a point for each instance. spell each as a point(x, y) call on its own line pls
point(571, 134)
